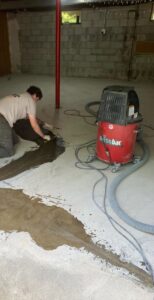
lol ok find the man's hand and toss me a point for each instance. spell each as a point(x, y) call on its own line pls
point(47, 138)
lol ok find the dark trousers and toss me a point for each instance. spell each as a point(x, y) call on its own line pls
point(6, 138)
point(24, 129)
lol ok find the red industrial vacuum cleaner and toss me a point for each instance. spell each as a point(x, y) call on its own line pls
point(118, 124)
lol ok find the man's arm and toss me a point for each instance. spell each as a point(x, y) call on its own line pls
point(35, 126)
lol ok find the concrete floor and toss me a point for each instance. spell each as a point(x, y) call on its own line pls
point(30, 269)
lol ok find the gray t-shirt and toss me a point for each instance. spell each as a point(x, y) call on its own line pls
point(16, 107)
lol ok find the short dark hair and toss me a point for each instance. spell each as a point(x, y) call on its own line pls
point(34, 90)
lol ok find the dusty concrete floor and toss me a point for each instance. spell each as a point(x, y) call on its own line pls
point(52, 226)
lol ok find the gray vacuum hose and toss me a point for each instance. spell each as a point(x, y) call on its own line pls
point(88, 107)
point(112, 190)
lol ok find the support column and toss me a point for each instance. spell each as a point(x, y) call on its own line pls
point(58, 35)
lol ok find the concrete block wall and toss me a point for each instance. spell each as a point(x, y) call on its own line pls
point(37, 42)
point(101, 46)
point(143, 64)
point(13, 29)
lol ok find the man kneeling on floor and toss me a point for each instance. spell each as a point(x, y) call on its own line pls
point(14, 108)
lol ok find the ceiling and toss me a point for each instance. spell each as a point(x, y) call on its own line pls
point(44, 4)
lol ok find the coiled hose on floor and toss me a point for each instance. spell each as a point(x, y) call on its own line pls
point(112, 193)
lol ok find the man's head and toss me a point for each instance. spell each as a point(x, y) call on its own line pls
point(35, 92)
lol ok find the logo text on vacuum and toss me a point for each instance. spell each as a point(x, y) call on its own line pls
point(112, 142)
